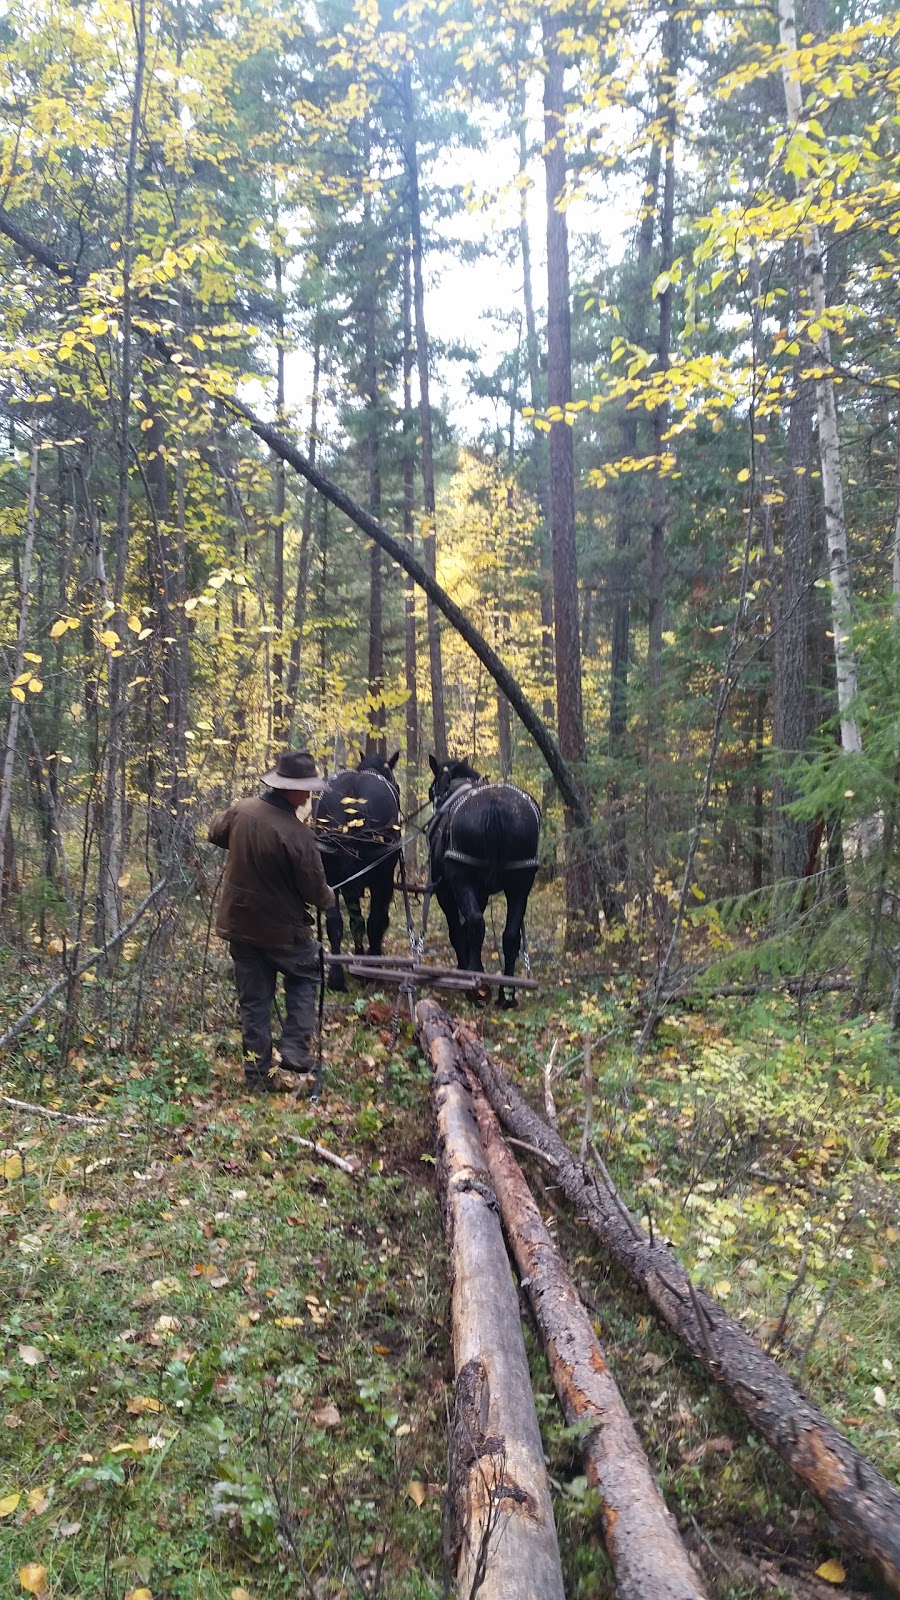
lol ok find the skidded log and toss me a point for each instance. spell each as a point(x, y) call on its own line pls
point(855, 1494)
point(503, 1537)
point(644, 1545)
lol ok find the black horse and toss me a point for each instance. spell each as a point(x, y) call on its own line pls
point(358, 832)
point(483, 838)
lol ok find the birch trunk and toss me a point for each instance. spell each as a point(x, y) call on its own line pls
point(829, 445)
point(503, 1541)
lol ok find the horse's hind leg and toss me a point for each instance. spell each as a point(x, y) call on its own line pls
point(357, 921)
point(334, 924)
point(516, 900)
point(471, 904)
point(381, 891)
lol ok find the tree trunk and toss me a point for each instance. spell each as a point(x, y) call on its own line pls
point(648, 1557)
point(503, 1533)
point(15, 706)
point(790, 622)
point(376, 719)
point(278, 699)
point(580, 909)
point(108, 907)
point(411, 158)
point(627, 500)
point(829, 446)
point(409, 589)
point(856, 1496)
point(656, 578)
point(301, 592)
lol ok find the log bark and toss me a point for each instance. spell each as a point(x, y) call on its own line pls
point(643, 1542)
point(856, 1496)
point(504, 1537)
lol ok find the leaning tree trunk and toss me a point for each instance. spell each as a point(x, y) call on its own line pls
point(648, 1557)
point(503, 1534)
point(858, 1499)
point(580, 911)
point(301, 590)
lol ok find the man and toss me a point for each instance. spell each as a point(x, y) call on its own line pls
point(274, 872)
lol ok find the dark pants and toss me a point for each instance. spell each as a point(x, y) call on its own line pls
point(256, 972)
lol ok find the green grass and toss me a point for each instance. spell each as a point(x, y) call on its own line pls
point(225, 1366)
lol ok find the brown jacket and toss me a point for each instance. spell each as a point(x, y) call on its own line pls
point(274, 871)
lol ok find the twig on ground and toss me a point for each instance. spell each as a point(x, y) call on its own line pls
point(588, 1081)
point(324, 1155)
point(549, 1074)
point(45, 1111)
point(532, 1150)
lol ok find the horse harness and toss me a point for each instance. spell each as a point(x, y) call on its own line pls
point(461, 792)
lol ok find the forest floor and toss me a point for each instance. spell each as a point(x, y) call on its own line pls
point(225, 1365)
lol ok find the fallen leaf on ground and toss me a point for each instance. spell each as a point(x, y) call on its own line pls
point(831, 1571)
point(139, 1594)
point(142, 1402)
point(12, 1168)
point(33, 1577)
point(652, 1362)
point(239, 1594)
point(38, 1500)
point(219, 1281)
point(68, 1530)
point(417, 1491)
point(58, 1202)
point(289, 1322)
point(327, 1417)
point(31, 1356)
point(8, 1504)
point(721, 1444)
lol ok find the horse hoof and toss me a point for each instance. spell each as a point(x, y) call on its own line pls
point(507, 1002)
point(336, 979)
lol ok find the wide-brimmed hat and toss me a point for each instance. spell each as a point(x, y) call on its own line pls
point(294, 769)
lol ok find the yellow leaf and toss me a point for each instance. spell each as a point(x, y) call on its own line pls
point(239, 1594)
point(59, 1202)
point(59, 628)
point(33, 1578)
point(743, 475)
point(8, 1504)
point(109, 638)
point(35, 686)
point(722, 1288)
point(97, 324)
point(142, 1402)
point(831, 1571)
point(146, 424)
point(416, 1491)
point(183, 392)
point(139, 1594)
point(23, 677)
point(12, 1168)
point(29, 655)
point(38, 1500)
point(289, 1322)
point(17, 693)
point(135, 624)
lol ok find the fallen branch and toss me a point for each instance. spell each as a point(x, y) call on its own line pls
point(856, 1496)
point(648, 1557)
point(340, 1162)
point(45, 1111)
point(21, 1023)
point(503, 1534)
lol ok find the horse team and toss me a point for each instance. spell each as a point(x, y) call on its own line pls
point(482, 840)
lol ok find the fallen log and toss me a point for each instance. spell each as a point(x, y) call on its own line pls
point(644, 1545)
point(503, 1535)
point(854, 1493)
